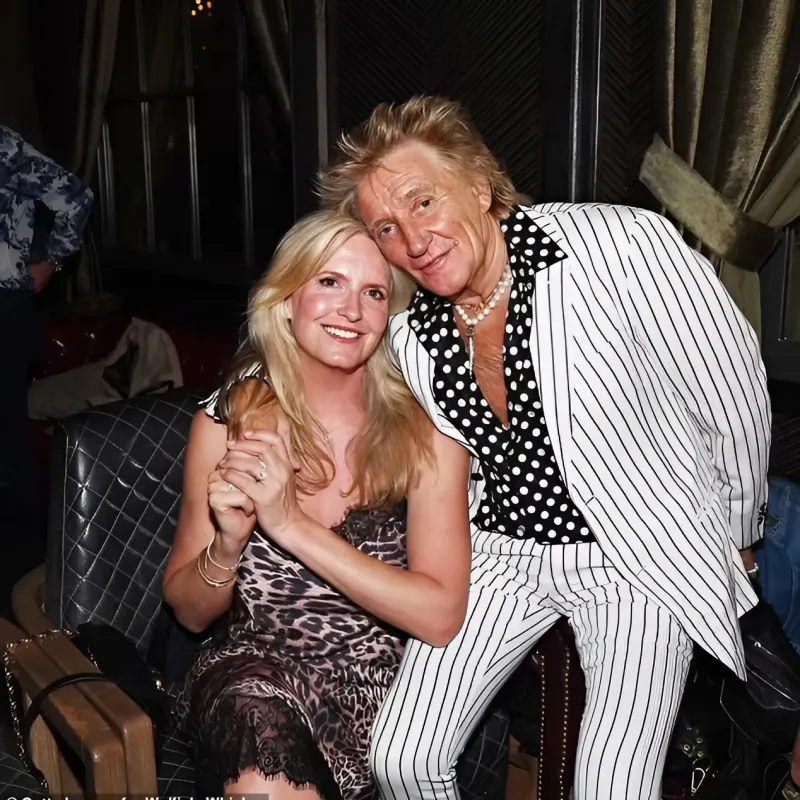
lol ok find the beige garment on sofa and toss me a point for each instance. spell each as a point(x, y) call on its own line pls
point(154, 367)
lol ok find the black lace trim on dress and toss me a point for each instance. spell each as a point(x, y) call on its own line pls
point(264, 734)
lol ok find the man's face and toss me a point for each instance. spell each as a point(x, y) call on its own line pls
point(427, 219)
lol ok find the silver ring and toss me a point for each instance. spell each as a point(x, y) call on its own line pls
point(231, 488)
point(263, 473)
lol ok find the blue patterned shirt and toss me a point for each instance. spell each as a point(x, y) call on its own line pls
point(25, 177)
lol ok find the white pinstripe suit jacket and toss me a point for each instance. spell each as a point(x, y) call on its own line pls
point(654, 394)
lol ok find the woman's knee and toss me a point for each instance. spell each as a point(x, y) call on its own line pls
point(252, 782)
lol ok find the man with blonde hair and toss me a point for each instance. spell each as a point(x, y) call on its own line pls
point(614, 402)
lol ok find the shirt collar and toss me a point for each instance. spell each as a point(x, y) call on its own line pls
point(530, 249)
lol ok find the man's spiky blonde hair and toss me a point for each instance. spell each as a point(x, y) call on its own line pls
point(439, 123)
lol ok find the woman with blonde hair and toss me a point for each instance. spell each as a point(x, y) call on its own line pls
point(322, 514)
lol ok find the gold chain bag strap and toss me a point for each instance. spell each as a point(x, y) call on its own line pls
point(21, 725)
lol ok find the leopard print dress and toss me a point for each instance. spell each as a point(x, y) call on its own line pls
point(291, 682)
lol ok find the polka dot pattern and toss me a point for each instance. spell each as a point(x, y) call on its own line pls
point(525, 495)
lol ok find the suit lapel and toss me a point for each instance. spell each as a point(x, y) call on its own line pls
point(549, 344)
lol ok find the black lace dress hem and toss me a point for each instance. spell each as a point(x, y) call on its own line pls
point(266, 735)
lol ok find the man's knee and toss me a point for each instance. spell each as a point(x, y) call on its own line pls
point(402, 768)
point(389, 757)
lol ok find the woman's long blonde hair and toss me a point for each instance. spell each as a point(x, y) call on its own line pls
point(395, 441)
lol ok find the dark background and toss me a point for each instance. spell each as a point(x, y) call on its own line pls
point(562, 92)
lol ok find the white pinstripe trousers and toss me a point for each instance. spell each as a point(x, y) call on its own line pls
point(634, 654)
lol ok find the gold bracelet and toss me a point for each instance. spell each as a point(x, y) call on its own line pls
point(205, 570)
point(209, 580)
point(210, 558)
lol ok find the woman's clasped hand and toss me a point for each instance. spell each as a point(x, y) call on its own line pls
point(259, 469)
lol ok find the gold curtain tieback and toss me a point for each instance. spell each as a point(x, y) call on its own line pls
point(722, 227)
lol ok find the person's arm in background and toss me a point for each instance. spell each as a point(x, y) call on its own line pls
point(28, 173)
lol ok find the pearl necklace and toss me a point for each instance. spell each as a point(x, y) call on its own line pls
point(485, 309)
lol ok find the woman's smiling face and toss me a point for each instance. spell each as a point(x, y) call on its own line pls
point(339, 317)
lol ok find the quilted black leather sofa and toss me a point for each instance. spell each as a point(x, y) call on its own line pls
point(16, 781)
point(115, 493)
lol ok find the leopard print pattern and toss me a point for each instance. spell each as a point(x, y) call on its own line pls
point(295, 673)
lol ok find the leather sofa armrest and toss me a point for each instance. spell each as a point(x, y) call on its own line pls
point(129, 723)
point(69, 714)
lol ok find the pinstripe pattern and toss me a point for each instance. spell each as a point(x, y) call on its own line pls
point(634, 653)
point(654, 396)
point(655, 399)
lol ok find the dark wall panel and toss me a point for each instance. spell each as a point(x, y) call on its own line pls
point(562, 91)
point(485, 53)
point(626, 99)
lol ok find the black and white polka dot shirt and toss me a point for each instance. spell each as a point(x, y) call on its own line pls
point(525, 495)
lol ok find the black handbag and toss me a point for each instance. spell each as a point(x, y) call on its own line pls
point(700, 739)
point(765, 708)
point(732, 737)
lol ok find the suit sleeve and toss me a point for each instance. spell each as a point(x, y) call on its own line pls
point(692, 332)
